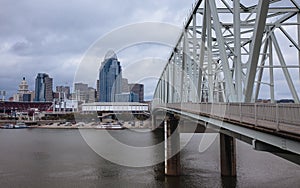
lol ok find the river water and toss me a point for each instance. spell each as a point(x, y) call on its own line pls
point(41, 158)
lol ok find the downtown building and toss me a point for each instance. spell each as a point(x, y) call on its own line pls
point(63, 91)
point(84, 93)
point(23, 95)
point(43, 88)
point(110, 78)
point(138, 89)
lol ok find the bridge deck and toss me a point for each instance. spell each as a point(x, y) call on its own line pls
point(242, 120)
point(279, 119)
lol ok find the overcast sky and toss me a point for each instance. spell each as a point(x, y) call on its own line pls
point(57, 37)
point(52, 36)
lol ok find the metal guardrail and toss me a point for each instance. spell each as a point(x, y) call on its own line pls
point(278, 117)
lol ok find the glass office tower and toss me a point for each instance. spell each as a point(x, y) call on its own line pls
point(43, 88)
point(110, 78)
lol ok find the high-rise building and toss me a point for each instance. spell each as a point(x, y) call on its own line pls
point(81, 91)
point(26, 97)
point(91, 95)
point(127, 97)
point(125, 87)
point(98, 90)
point(84, 93)
point(110, 77)
point(81, 87)
point(43, 88)
point(23, 87)
point(23, 92)
point(64, 90)
point(138, 89)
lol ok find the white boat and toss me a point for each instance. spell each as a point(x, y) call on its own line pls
point(19, 125)
point(110, 127)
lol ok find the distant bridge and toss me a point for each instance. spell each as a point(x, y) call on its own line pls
point(229, 54)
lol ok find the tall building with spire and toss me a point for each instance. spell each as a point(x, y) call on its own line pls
point(43, 88)
point(23, 87)
point(110, 78)
point(23, 92)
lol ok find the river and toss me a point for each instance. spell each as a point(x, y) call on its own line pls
point(36, 158)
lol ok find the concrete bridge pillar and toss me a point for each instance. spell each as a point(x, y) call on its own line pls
point(153, 121)
point(172, 146)
point(228, 155)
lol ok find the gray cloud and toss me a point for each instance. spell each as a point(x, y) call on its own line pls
point(52, 36)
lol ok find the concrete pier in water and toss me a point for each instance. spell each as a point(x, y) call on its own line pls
point(172, 146)
point(228, 155)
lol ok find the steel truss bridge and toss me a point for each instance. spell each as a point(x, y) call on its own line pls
point(230, 54)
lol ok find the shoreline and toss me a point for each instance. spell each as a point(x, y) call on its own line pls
point(106, 125)
point(78, 127)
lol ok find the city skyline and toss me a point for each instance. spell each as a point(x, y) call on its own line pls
point(39, 41)
point(35, 40)
point(150, 94)
point(44, 90)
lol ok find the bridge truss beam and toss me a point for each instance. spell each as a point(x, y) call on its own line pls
point(231, 51)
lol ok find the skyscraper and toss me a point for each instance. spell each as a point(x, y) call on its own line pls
point(110, 77)
point(64, 89)
point(23, 92)
point(43, 88)
point(81, 90)
point(138, 89)
point(98, 90)
point(125, 87)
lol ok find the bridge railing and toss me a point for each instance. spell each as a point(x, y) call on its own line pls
point(279, 117)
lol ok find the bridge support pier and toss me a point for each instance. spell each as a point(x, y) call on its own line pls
point(228, 155)
point(172, 146)
point(153, 126)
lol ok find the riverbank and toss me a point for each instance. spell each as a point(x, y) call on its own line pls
point(93, 125)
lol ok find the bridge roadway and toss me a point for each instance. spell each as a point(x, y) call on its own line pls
point(273, 128)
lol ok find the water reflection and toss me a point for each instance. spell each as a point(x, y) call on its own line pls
point(60, 158)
